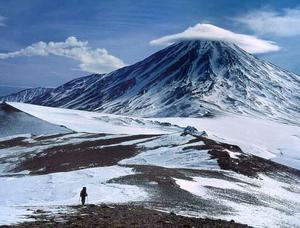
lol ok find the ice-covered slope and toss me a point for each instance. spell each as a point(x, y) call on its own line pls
point(93, 122)
point(190, 78)
point(15, 122)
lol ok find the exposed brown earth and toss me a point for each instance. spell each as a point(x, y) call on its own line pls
point(86, 154)
point(123, 216)
point(13, 142)
point(65, 160)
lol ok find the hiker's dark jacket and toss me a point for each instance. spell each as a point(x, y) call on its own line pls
point(83, 194)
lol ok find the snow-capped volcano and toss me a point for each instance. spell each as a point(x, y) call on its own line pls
point(190, 78)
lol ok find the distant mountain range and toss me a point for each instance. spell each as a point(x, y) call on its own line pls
point(27, 95)
point(190, 78)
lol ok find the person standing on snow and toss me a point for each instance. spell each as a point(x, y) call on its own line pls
point(83, 194)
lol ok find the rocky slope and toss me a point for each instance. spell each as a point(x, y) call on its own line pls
point(122, 216)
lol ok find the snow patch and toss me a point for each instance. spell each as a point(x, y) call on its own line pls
point(276, 196)
point(263, 138)
point(63, 189)
point(167, 151)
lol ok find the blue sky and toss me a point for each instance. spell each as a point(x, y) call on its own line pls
point(118, 32)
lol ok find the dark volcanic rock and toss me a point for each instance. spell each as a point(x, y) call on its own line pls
point(124, 216)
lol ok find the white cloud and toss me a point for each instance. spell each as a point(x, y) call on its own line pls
point(95, 61)
point(249, 43)
point(2, 21)
point(284, 23)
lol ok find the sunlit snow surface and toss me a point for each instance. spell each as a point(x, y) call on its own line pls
point(167, 151)
point(93, 122)
point(264, 138)
point(18, 193)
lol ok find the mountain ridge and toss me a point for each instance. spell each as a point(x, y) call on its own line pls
point(26, 95)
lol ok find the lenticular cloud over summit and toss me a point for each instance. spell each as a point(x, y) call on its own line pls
point(249, 43)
